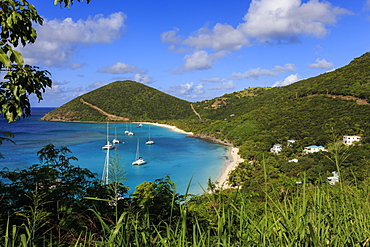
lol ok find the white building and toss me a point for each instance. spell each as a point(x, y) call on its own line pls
point(276, 148)
point(349, 140)
point(290, 142)
point(334, 179)
point(313, 149)
point(293, 160)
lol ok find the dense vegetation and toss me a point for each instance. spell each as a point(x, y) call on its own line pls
point(127, 99)
point(56, 204)
point(272, 202)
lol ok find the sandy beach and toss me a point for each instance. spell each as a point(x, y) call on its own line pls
point(173, 128)
point(230, 164)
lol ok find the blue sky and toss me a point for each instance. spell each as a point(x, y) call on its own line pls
point(194, 50)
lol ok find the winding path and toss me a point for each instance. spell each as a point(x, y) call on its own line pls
point(196, 113)
point(109, 116)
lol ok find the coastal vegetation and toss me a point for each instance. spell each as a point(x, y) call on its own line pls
point(268, 200)
point(272, 202)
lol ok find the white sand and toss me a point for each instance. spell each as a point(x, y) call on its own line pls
point(229, 165)
point(173, 128)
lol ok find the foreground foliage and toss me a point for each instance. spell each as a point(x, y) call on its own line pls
point(58, 204)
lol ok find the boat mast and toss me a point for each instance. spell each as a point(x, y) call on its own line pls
point(105, 176)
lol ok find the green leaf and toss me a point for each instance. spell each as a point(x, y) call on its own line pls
point(4, 59)
point(16, 56)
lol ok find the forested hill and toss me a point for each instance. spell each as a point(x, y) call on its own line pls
point(314, 111)
point(122, 101)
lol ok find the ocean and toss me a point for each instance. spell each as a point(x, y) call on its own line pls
point(174, 154)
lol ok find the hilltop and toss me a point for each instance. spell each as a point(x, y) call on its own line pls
point(122, 101)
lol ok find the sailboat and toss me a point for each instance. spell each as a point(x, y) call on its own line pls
point(149, 142)
point(130, 133)
point(115, 140)
point(139, 160)
point(126, 132)
point(108, 145)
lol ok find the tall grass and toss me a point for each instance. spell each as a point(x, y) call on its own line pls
point(311, 216)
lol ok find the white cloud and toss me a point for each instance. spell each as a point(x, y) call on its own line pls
point(221, 37)
point(224, 85)
point(58, 40)
point(321, 64)
point(286, 19)
point(285, 68)
point(266, 21)
point(189, 90)
point(145, 79)
point(121, 68)
point(199, 60)
point(255, 73)
point(288, 80)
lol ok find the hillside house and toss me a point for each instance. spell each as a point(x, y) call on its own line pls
point(349, 140)
point(313, 149)
point(290, 142)
point(276, 148)
point(293, 160)
point(334, 179)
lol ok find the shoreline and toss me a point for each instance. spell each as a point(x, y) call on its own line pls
point(233, 158)
point(171, 127)
point(230, 164)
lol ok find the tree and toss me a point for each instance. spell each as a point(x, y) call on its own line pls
point(159, 199)
point(56, 188)
point(21, 80)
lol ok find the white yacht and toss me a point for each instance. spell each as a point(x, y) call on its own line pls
point(149, 142)
point(108, 145)
point(139, 160)
point(115, 140)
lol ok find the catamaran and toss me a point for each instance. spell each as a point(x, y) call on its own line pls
point(149, 142)
point(108, 145)
point(139, 160)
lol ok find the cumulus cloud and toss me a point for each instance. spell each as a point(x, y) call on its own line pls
point(288, 80)
point(189, 90)
point(255, 73)
point(145, 79)
point(286, 19)
point(266, 21)
point(221, 37)
point(121, 68)
point(321, 64)
point(199, 60)
point(58, 40)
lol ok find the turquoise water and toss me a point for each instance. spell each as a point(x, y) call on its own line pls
point(174, 154)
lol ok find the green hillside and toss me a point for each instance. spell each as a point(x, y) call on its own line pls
point(314, 111)
point(128, 100)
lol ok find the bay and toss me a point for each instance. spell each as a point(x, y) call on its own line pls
point(174, 154)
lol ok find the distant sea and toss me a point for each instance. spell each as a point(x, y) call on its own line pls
point(175, 154)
